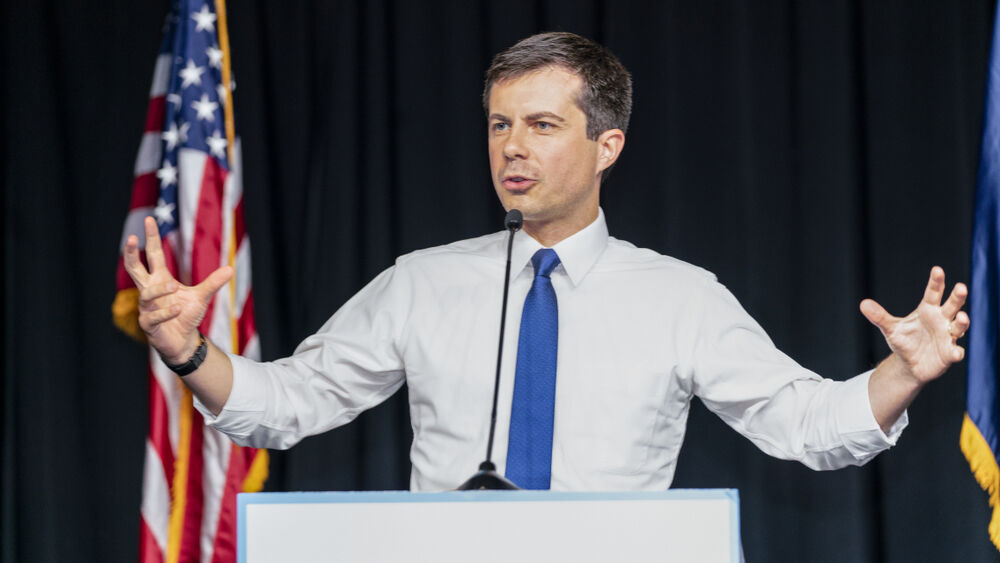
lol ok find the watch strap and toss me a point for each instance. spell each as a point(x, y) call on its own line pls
point(194, 362)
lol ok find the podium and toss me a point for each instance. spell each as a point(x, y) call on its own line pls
point(698, 525)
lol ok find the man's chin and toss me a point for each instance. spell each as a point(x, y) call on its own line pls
point(528, 211)
point(520, 201)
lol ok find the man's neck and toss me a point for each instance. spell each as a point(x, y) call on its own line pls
point(551, 233)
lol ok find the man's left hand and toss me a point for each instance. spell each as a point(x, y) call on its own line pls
point(923, 346)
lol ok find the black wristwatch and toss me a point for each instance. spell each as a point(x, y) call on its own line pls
point(194, 362)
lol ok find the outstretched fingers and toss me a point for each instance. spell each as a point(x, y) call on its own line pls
point(935, 287)
point(959, 325)
point(149, 320)
point(214, 282)
point(133, 265)
point(955, 301)
point(149, 294)
point(956, 330)
point(878, 316)
point(957, 353)
point(154, 249)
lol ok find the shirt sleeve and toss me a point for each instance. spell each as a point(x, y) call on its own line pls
point(351, 364)
point(786, 410)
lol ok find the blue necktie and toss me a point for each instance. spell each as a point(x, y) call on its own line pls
point(529, 449)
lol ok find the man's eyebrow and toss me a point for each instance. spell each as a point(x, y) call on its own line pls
point(545, 115)
point(532, 117)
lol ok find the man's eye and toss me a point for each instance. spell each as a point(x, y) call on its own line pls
point(500, 126)
point(543, 125)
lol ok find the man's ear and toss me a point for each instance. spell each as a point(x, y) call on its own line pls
point(609, 145)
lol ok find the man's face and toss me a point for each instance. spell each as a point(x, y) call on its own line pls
point(541, 160)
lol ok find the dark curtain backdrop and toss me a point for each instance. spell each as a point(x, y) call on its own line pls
point(810, 154)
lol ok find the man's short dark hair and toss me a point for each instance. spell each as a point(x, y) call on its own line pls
point(606, 94)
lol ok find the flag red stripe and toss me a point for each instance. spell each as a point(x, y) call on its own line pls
point(149, 550)
point(247, 324)
point(206, 251)
point(191, 534)
point(145, 190)
point(239, 224)
point(156, 113)
point(207, 247)
point(224, 550)
point(159, 426)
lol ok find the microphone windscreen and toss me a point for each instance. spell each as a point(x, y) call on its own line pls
point(513, 220)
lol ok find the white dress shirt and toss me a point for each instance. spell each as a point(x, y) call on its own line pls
point(640, 334)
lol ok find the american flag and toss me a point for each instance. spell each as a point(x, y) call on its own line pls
point(187, 176)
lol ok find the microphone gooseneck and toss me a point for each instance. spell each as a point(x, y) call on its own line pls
point(487, 476)
point(512, 222)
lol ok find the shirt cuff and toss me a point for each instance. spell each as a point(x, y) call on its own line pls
point(243, 410)
point(859, 430)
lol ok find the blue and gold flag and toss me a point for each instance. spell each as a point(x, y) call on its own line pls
point(981, 426)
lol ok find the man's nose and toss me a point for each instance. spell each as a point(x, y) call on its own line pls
point(516, 146)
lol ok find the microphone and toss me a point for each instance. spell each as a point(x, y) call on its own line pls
point(487, 476)
point(512, 221)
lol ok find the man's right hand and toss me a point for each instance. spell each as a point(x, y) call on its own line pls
point(169, 312)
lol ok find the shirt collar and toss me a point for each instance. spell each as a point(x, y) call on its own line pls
point(577, 253)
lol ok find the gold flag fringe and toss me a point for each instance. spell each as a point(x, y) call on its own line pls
point(125, 313)
point(255, 478)
point(984, 467)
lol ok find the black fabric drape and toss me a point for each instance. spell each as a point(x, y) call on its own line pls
point(810, 155)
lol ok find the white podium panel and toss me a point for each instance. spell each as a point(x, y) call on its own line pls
point(509, 526)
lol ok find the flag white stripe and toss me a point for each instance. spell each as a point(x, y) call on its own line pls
point(155, 496)
point(234, 182)
point(234, 193)
point(216, 448)
point(243, 275)
point(161, 76)
point(252, 349)
point(170, 386)
point(191, 164)
point(150, 154)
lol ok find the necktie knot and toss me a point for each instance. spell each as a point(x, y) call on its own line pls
point(544, 261)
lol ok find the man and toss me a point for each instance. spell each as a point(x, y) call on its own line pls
point(613, 341)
